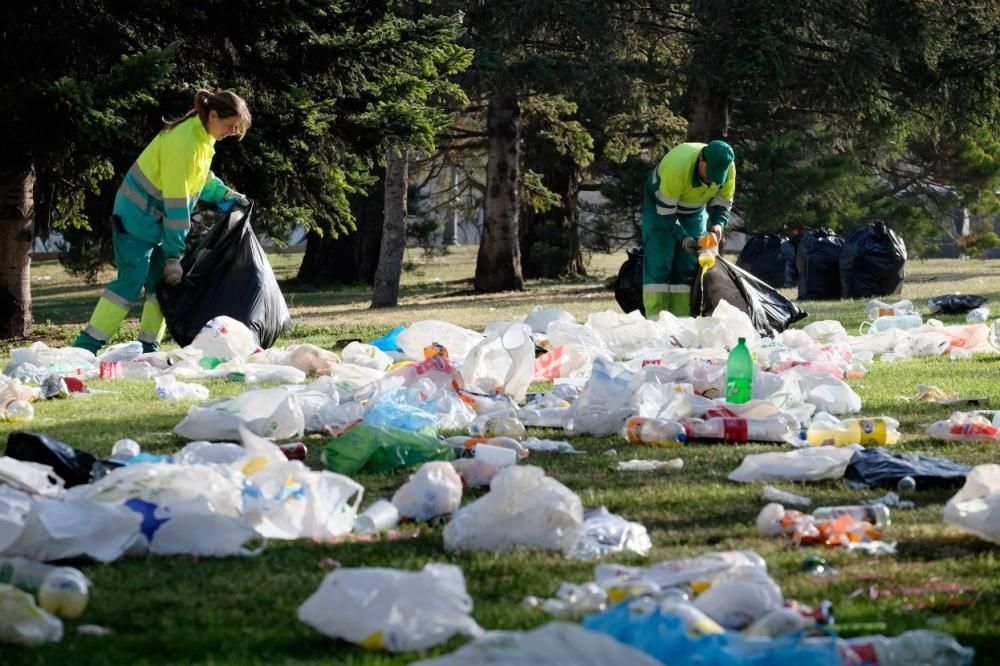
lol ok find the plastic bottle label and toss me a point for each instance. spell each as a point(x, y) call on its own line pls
point(872, 432)
point(632, 430)
point(735, 430)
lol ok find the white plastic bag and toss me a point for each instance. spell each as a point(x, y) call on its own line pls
point(457, 340)
point(205, 535)
point(569, 360)
point(503, 362)
point(809, 464)
point(209, 453)
point(606, 401)
point(604, 533)
point(225, 338)
point(31, 477)
point(392, 610)
point(623, 334)
point(552, 644)
point(24, 623)
point(524, 509)
point(287, 500)
point(976, 507)
point(740, 597)
point(168, 388)
point(15, 505)
point(367, 356)
point(538, 319)
point(435, 490)
point(270, 413)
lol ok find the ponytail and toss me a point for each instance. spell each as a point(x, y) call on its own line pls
point(226, 103)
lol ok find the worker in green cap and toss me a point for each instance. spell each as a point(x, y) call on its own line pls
point(691, 189)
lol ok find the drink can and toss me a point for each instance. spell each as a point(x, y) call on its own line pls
point(294, 450)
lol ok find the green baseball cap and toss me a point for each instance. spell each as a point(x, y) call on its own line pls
point(719, 157)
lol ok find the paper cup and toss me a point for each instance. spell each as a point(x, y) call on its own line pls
point(382, 515)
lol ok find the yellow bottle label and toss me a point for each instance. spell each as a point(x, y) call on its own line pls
point(373, 641)
point(871, 432)
point(632, 428)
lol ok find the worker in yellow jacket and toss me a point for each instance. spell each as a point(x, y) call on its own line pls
point(152, 213)
point(691, 178)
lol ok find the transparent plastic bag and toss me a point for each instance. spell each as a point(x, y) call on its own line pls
point(538, 319)
point(604, 533)
point(205, 535)
point(24, 623)
point(419, 335)
point(272, 413)
point(225, 338)
point(810, 464)
point(503, 362)
point(368, 356)
point(168, 388)
point(976, 507)
point(390, 609)
point(435, 490)
point(524, 509)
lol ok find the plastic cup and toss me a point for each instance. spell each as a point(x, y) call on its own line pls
point(498, 456)
point(382, 515)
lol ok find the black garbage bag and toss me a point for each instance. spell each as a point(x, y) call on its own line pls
point(877, 466)
point(226, 274)
point(628, 284)
point(956, 303)
point(71, 465)
point(771, 258)
point(770, 312)
point(872, 262)
point(818, 261)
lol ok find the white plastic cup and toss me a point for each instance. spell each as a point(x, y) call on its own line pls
point(382, 515)
point(498, 456)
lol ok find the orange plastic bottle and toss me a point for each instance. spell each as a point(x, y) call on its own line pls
point(709, 250)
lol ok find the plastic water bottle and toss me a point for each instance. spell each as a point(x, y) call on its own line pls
point(739, 373)
point(496, 426)
point(876, 514)
point(978, 315)
point(656, 432)
point(125, 449)
point(877, 308)
point(904, 322)
point(17, 411)
point(62, 591)
point(928, 648)
point(709, 251)
point(867, 432)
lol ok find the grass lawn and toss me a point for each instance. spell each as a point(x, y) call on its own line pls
point(242, 611)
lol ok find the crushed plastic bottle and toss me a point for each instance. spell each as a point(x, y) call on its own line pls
point(655, 432)
point(902, 322)
point(62, 591)
point(876, 514)
point(635, 465)
point(772, 494)
point(877, 308)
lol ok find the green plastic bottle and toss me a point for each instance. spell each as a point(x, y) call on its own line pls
point(739, 373)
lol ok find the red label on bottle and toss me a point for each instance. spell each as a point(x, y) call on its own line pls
point(735, 430)
point(866, 652)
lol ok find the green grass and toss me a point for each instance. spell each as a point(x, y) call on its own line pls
point(242, 611)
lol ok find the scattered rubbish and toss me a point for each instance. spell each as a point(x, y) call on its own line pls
point(475, 472)
point(380, 449)
point(168, 388)
point(610, 452)
point(552, 644)
point(654, 432)
point(93, 630)
point(952, 304)
point(976, 507)
point(772, 494)
point(390, 609)
point(604, 533)
point(815, 565)
point(62, 591)
point(870, 468)
point(891, 499)
point(524, 509)
point(496, 426)
point(662, 579)
point(272, 412)
point(636, 465)
point(876, 308)
point(71, 465)
point(849, 526)
point(435, 490)
point(380, 516)
point(24, 623)
point(828, 430)
point(571, 600)
point(911, 647)
point(978, 315)
point(965, 427)
point(740, 597)
point(926, 393)
point(768, 312)
point(808, 464)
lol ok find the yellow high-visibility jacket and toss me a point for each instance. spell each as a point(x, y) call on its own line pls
point(680, 192)
point(162, 187)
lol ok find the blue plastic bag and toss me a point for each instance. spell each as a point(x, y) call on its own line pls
point(387, 342)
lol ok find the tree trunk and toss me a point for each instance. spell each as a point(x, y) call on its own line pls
point(351, 258)
point(550, 239)
point(498, 266)
point(708, 114)
point(17, 224)
point(708, 92)
point(390, 259)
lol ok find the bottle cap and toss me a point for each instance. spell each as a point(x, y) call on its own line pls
point(741, 341)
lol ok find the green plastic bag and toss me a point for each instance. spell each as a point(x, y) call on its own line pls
point(379, 449)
